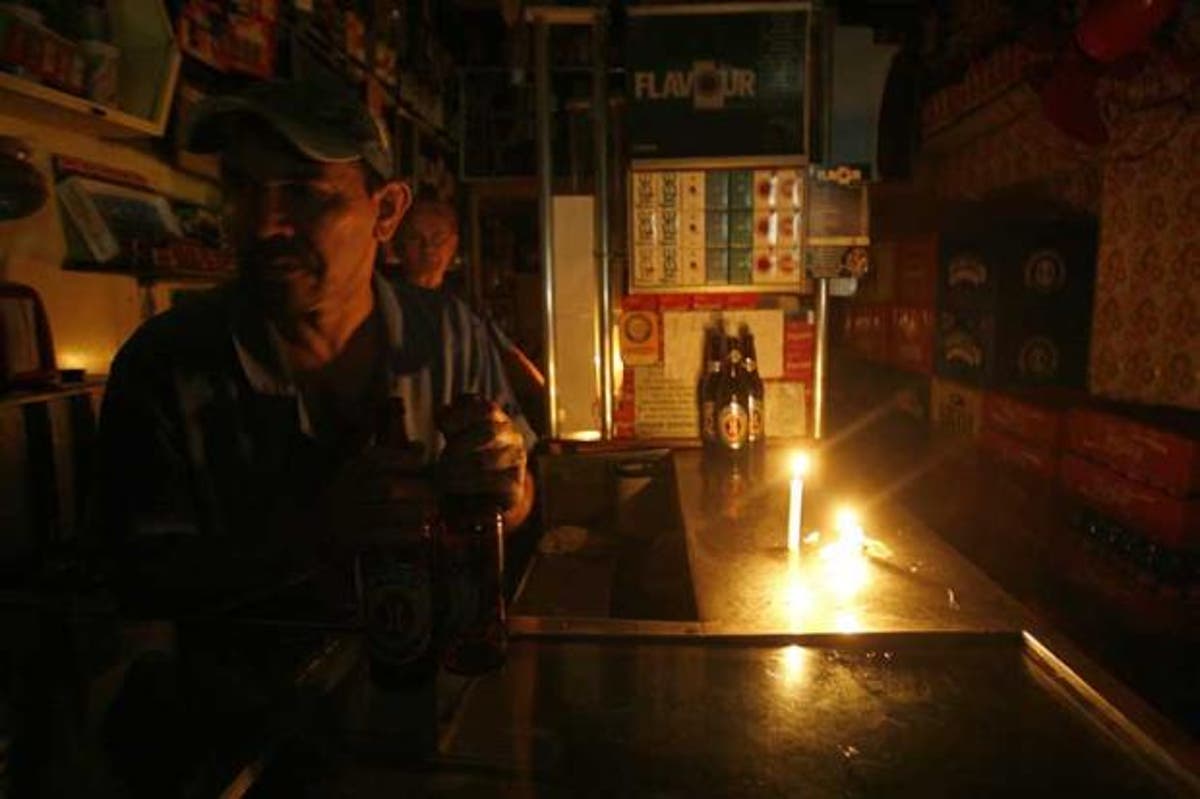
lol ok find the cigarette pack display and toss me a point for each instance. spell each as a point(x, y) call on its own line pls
point(645, 228)
point(692, 266)
point(691, 191)
point(1159, 447)
point(765, 229)
point(716, 265)
point(716, 228)
point(668, 228)
point(670, 265)
point(647, 266)
point(716, 190)
point(765, 187)
point(668, 190)
point(645, 191)
point(741, 228)
point(1169, 521)
point(691, 228)
point(741, 265)
point(741, 190)
point(789, 190)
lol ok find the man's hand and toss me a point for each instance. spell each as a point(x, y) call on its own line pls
point(485, 454)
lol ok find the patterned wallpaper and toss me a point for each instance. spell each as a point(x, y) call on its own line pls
point(1146, 324)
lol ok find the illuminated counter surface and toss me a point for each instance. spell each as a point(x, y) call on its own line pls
point(907, 673)
point(746, 580)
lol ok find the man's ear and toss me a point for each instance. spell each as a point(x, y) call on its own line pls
point(395, 197)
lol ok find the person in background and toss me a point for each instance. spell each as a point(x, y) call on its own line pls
point(239, 432)
point(427, 243)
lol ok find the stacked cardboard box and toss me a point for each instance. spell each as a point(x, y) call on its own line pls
point(1014, 302)
point(1026, 428)
point(1139, 468)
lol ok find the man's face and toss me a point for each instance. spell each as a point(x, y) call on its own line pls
point(428, 241)
point(305, 231)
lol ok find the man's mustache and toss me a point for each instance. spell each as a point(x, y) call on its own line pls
point(260, 254)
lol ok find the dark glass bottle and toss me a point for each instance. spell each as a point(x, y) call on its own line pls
point(709, 382)
point(393, 577)
point(471, 559)
point(471, 576)
point(733, 416)
point(754, 389)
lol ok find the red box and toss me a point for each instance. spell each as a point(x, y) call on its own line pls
point(1163, 452)
point(799, 346)
point(1038, 417)
point(917, 270)
point(1041, 461)
point(910, 345)
point(1168, 520)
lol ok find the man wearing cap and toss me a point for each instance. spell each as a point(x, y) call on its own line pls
point(237, 428)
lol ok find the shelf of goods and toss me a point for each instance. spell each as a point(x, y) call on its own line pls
point(45, 75)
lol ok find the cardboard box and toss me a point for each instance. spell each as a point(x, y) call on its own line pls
point(916, 269)
point(1036, 416)
point(1038, 460)
point(1169, 521)
point(910, 342)
point(1163, 452)
point(955, 409)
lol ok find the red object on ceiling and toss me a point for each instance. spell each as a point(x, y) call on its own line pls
point(1112, 29)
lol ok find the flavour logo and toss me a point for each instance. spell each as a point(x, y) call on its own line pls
point(707, 83)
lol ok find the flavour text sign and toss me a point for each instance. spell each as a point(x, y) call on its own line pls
point(721, 82)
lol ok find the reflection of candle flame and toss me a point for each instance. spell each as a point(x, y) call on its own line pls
point(792, 658)
point(795, 513)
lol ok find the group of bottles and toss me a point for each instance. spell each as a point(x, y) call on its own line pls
point(731, 392)
point(430, 585)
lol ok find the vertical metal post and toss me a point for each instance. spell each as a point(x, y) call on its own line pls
point(541, 57)
point(822, 345)
point(600, 135)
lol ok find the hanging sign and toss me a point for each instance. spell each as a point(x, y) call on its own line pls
point(718, 80)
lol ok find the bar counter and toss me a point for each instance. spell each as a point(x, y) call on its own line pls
point(900, 670)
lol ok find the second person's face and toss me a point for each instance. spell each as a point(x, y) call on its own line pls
point(428, 242)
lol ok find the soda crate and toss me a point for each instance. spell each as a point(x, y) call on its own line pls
point(1156, 446)
point(1168, 521)
point(955, 409)
point(1038, 416)
point(1037, 460)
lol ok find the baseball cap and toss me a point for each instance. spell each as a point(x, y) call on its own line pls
point(325, 123)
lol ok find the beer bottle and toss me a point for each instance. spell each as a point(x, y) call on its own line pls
point(709, 384)
point(393, 574)
point(471, 561)
point(733, 419)
point(754, 388)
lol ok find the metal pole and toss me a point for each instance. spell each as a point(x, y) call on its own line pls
point(541, 57)
point(600, 135)
point(822, 345)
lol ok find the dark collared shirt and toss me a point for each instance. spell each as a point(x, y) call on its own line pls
point(206, 441)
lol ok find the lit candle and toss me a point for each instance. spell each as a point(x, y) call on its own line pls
point(800, 466)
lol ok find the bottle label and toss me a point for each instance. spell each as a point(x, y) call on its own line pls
point(756, 420)
point(708, 420)
point(397, 598)
point(733, 425)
